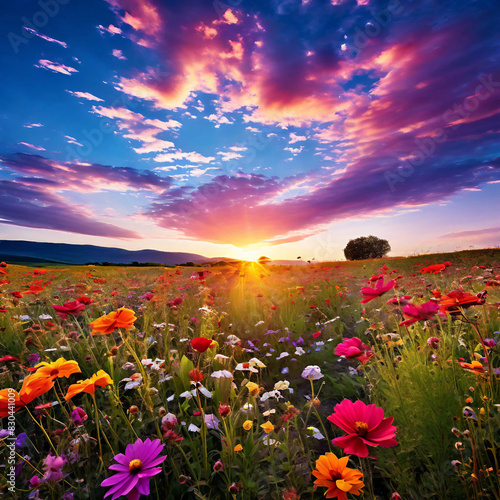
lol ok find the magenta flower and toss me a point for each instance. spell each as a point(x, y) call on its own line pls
point(135, 468)
point(416, 313)
point(365, 426)
point(354, 348)
point(370, 293)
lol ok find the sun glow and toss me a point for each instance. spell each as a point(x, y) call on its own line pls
point(248, 255)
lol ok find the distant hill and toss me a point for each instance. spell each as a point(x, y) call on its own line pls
point(32, 251)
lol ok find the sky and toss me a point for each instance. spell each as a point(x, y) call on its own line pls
point(243, 128)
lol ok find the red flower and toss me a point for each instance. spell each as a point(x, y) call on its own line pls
point(67, 308)
point(435, 268)
point(416, 313)
point(9, 358)
point(200, 344)
point(365, 426)
point(370, 293)
point(85, 300)
point(195, 375)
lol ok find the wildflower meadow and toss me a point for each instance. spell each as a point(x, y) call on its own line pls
point(376, 379)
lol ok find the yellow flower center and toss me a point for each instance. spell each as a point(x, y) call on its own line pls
point(135, 465)
point(54, 372)
point(361, 428)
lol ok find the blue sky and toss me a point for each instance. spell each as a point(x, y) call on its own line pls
point(238, 129)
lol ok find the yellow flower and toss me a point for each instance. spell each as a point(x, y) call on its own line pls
point(268, 427)
point(238, 447)
point(247, 425)
point(253, 388)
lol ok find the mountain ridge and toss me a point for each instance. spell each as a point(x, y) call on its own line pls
point(68, 253)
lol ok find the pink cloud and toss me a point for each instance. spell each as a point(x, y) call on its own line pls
point(60, 177)
point(55, 67)
point(33, 146)
point(45, 37)
point(33, 206)
point(136, 127)
point(119, 54)
point(85, 95)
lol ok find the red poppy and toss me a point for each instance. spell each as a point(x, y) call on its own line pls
point(201, 344)
point(195, 375)
point(435, 268)
point(33, 289)
point(457, 299)
point(85, 300)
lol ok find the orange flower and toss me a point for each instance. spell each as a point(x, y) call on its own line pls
point(32, 388)
point(332, 473)
point(474, 367)
point(99, 379)
point(123, 318)
point(57, 369)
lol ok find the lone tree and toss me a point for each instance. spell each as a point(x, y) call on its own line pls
point(366, 247)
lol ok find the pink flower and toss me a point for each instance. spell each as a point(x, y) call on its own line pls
point(416, 313)
point(433, 342)
point(52, 466)
point(370, 293)
point(365, 426)
point(135, 468)
point(354, 348)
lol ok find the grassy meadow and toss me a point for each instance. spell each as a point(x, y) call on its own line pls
point(250, 381)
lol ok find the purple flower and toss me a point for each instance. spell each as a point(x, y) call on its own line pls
point(211, 421)
point(78, 416)
point(135, 468)
point(490, 343)
point(33, 359)
point(22, 440)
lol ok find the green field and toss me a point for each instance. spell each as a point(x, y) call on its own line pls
point(224, 437)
